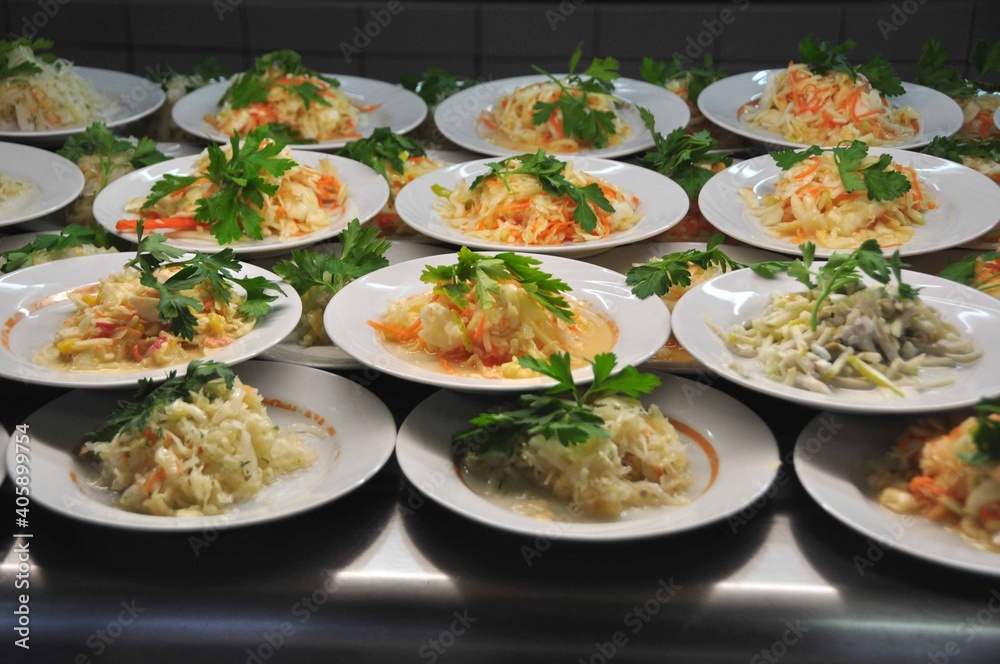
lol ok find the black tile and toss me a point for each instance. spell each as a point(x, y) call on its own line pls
point(538, 29)
point(500, 67)
point(329, 62)
point(433, 27)
point(76, 21)
point(97, 56)
point(770, 32)
point(186, 23)
point(985, 27)
point(898, 31)
point(390, 67)
point(301, 26)
point(149, 61)
point(654, 30)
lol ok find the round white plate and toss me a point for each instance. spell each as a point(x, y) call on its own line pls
point(968, 203)
point(400, 110)
point(367, 193)
point(136, 97)
point(643, 325)
point(662, 203)
point(622, 259)
point(746, 450)
point(331, 357)
point(25, 337)
point(458, 116)
point(363, 441)
point(57, 182)
point(721, 101)
point(830, 457)
point(736, 297)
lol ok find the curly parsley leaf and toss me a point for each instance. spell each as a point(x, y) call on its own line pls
point(436, 84)
point(563, 413)
point(363, 252)
point(132, 415)
point(822, 57)
point(659, 276)
point(548, 171)
point(955, 148)
point(37, 47)
point(73, 235)
point(933, 72)
point(684, 158)
point(279, 69)
point(879, 180)
point(383, 148)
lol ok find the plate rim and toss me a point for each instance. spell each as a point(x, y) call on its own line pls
point(58, 164)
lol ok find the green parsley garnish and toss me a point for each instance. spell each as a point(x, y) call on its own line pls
point(659, 276)
point(578, 118)
point(987, 434)
point(682, 157)
point(823, 57)
point(841, 272)
point(73, 235)
point(363, 252)
point(26, 67)
point(286, 134)
point(548, 171)
point(110, 150)
point(881, 182)
point(234, 209)
point(955, 148)
point(933, 72)
point(436, 85)
point(218, 270)
point(698, 77)
point(381, 148)
point(206, 70)
point(569, 418)
point(964, 271)
point(132, 415)
point(481, 276)
point(253, 86)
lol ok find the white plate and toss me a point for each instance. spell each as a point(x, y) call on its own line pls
point(367, 193)
point(57, 182)
point(662, 204)
point(457, 117)
point(968, 203)
point(331, 357)
point(830, 456)
point(643, 325)
point(22, 289)
point(622, 259)
point(746, 450)
point(996, 118)
point(363, 442)
point(721, 101)
point(136, 97)
point(400, 110)
point(4, 439)
point(736, 297)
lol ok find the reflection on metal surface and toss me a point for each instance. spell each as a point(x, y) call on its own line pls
point(771, 588)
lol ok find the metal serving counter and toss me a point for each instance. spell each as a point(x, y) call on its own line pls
point(385, 575)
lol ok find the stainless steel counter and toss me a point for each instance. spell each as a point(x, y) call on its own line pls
point(385, 575)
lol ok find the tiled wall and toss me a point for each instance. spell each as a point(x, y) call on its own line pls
point(489, 39)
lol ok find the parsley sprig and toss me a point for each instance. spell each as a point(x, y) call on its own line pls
point(234, 209)
point(578, 118)
point(381, 148)
point(253, 86)
point(548, 171)
point(987, 435)
point(841, 272)
point(965, 271)
point(823, 57)
point(207, 69)
point(133, 414)
point(659, 276)
point(698, 77)
point(881, 182)
point(954, 148)
point(363, 252)
point(569, 418)
point(281, 132)
point(73, 235)
point(27, 66)
point(177, 310)
point(481, 275)
point(436, 84)
point(933, 72)
point(110, 150)
point(682, 157)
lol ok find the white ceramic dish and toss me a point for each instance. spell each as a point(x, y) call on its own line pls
point(736, 297)
point(643, 326)
point(363, 439)
point(367, 193)
point(968, 203)
point(458, 116)
point(721, 101)
point(398, 108)
point(746, 451)
point(136, 97)
point(31, 327)
point(662, 204)
point(56, 182)
point(830, 457)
